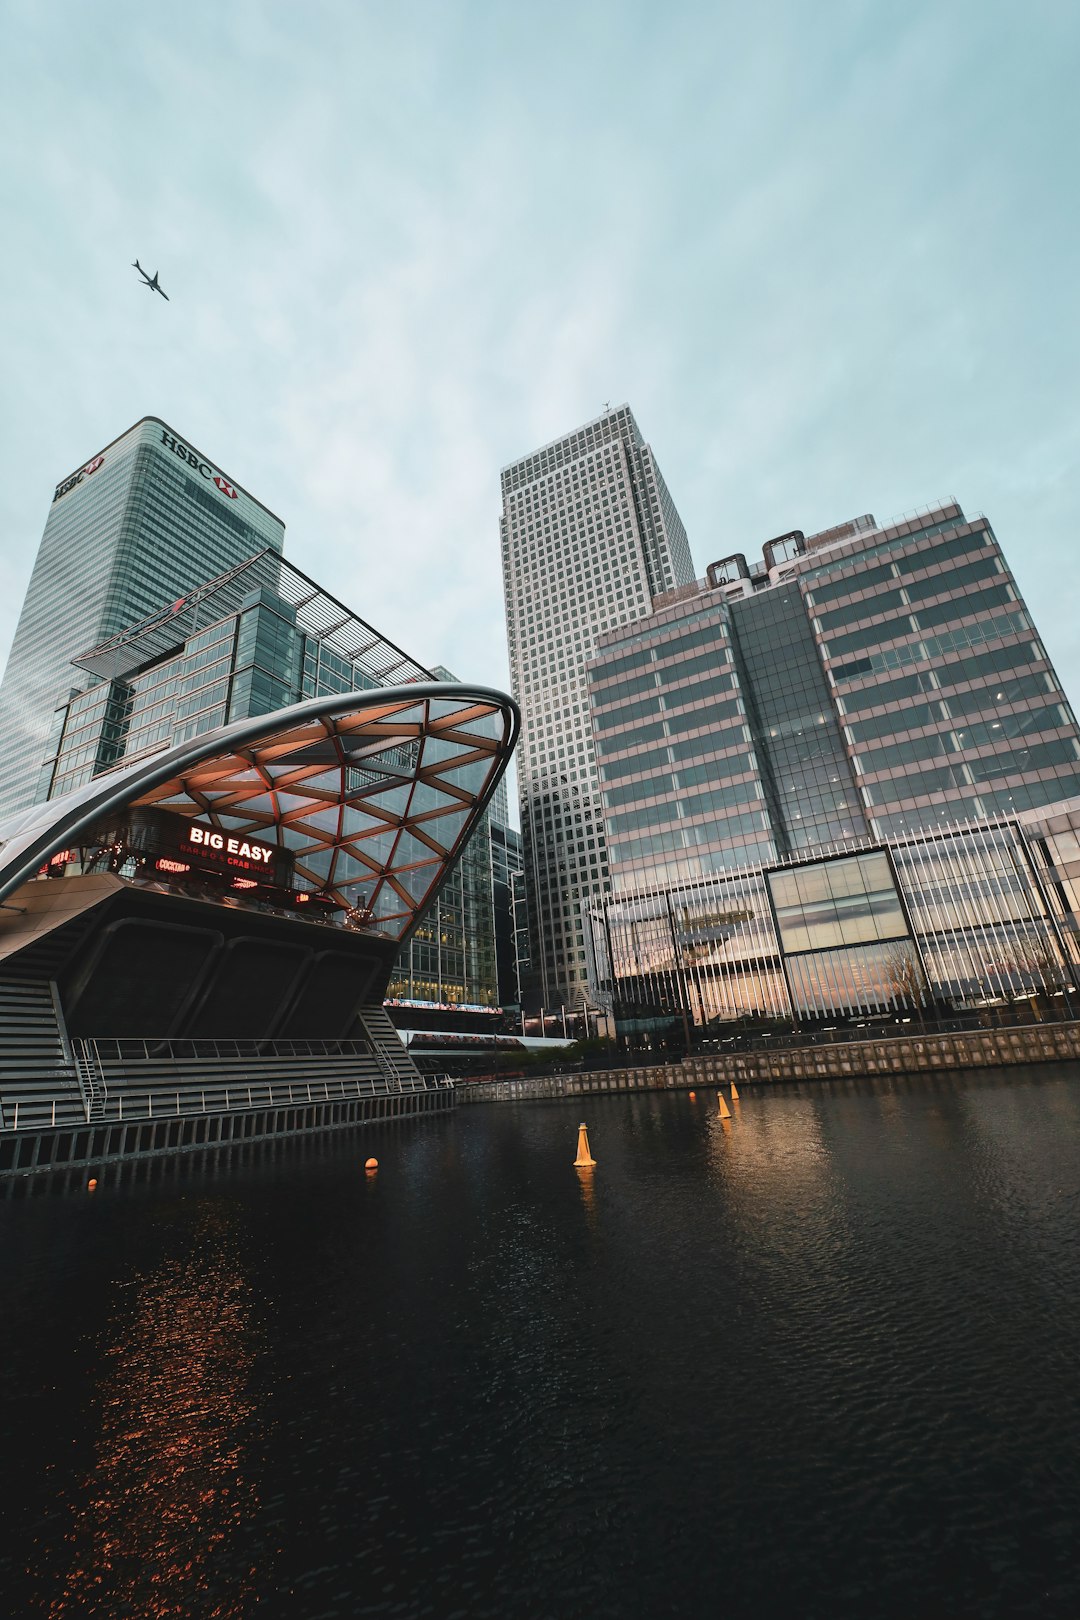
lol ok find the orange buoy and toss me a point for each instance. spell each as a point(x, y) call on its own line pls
point(371, 1164)
point(693, 1096)
point(722, 1108)
point(584, 1160)
point(91, 1184)
point(734, 1092)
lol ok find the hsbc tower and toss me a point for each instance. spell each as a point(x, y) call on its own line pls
point(146, 519)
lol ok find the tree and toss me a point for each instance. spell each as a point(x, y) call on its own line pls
point(905, 978)
point(1037, 958)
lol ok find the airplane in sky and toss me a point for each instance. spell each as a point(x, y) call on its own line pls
point(150, 281)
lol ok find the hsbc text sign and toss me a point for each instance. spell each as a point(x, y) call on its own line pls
point(203, 468)
point(77, 478)
point(178, 448)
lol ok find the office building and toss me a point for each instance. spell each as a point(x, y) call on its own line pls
point(951, 918)
point(590, 536)
point(253, 799)
point(512, 961)
point(856, 688)
point(258, 637)
point(450, 960)
point(471, 949)
point(457, 983)
point(139, 524)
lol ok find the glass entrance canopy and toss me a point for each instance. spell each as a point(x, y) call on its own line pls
point(372, 794)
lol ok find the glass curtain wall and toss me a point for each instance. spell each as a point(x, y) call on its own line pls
point(955, 917)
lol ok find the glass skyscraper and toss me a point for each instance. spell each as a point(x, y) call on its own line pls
point(866, 681)
point(139, 524)
point(814, 772)
point(590, 536)
point(258, 637)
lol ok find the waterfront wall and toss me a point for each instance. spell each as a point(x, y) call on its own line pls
point(907, 1054)
point(32, 1152)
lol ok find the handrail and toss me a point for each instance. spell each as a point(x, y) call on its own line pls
point(135, 1049)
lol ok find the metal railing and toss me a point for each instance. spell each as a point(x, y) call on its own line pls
point(91, 1078)
point(135, 1050)
point(142, 1103)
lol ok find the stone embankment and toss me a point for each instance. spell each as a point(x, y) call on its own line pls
point(906, 1054)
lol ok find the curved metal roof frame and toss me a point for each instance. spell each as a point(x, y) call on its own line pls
point(355, 785)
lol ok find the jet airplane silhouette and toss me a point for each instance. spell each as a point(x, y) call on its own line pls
point(150, 281)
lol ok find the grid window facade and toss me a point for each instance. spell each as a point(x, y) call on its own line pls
point(885, 680)
point(137, 526)
point(590, 535)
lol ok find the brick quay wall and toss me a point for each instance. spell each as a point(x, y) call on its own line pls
point(889, 1055)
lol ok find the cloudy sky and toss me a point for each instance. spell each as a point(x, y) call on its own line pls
point(827, 249)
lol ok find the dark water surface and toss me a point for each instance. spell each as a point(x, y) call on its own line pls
point(821, 1361)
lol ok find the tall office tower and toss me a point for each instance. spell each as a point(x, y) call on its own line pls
point(590, 536)
point(259, 637)
point(825, 785)
point(864, 682)
point(140, 523)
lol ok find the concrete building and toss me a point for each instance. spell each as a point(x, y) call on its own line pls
point(139, 524)
point(856, 689)
point(590, 536)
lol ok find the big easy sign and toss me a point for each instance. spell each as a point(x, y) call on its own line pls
point(208, 846)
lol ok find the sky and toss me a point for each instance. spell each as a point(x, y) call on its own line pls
point(827, 251)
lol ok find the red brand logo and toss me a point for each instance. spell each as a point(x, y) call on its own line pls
point(225, 487)
point(92, 466)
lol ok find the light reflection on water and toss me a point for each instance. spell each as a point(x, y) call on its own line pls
point(171, 1481)
point(816, 1360)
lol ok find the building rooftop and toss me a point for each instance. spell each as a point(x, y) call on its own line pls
point(317, 613)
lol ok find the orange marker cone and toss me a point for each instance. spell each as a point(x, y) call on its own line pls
point(734, 1092)
point(723, 1110)
point(584, 1160)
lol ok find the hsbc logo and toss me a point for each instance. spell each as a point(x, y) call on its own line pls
point(77, 478)
point(203, 468)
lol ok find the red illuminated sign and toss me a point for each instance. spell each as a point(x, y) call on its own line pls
point(56, 862)
point(77, 478)
point(165, 865)
point(209, 845)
